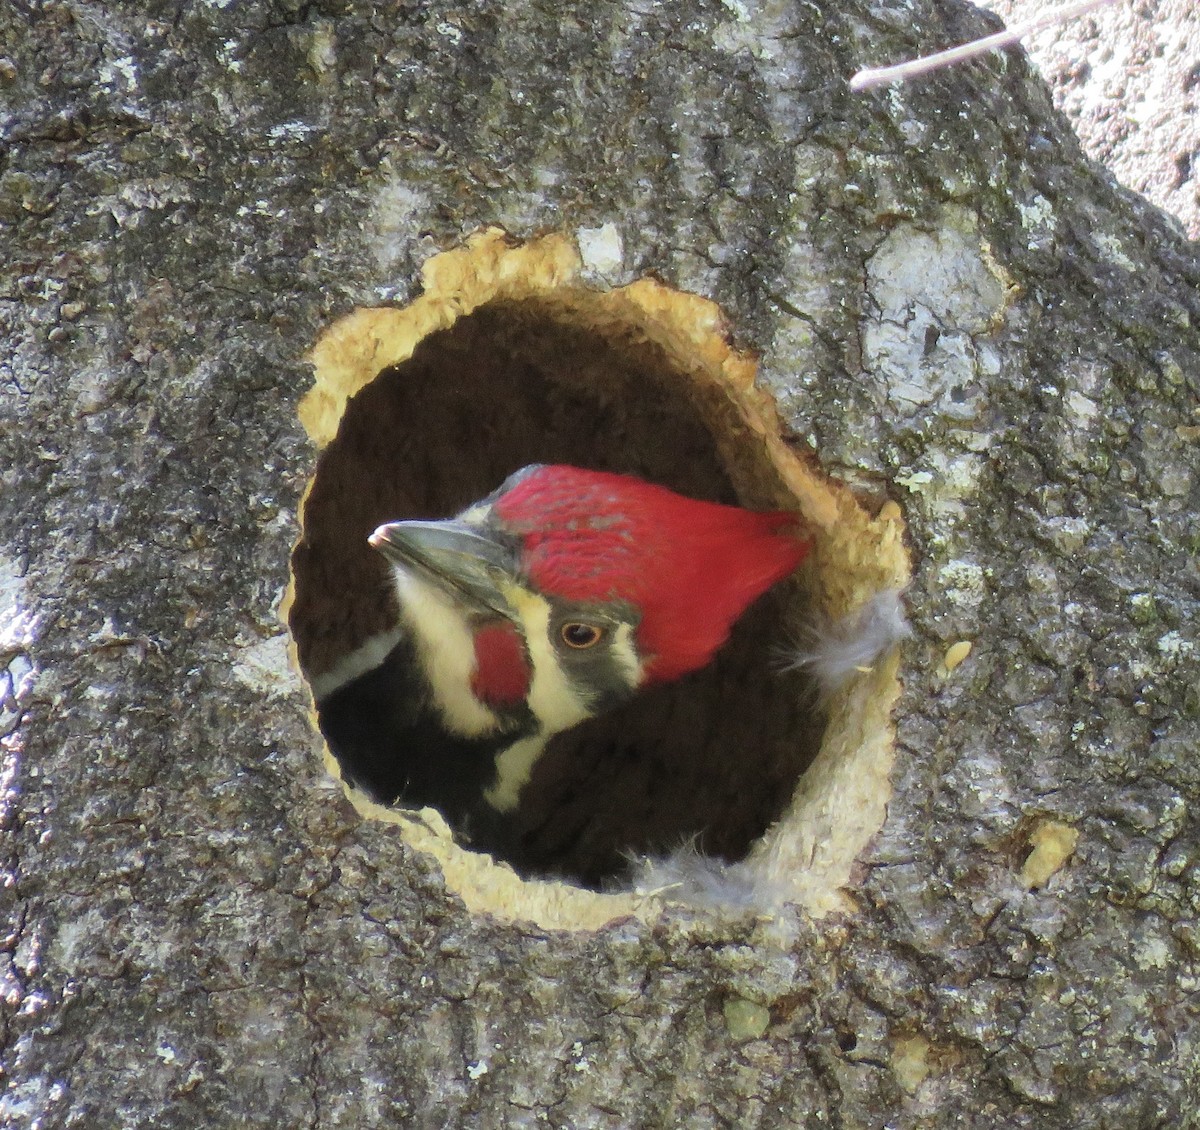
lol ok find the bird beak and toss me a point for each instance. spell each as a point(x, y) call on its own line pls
point(459, 558)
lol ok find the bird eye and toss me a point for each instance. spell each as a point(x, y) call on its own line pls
point(579, 635)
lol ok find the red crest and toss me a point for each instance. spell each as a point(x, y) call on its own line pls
point(691, 567)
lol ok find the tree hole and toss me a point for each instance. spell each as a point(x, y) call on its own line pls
point(508, 360)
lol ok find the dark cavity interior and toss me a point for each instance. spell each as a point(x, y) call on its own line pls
point(713, 758)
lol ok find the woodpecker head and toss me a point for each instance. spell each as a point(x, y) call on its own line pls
point(565, 591)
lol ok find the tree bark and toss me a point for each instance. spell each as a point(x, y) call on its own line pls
point(1126, 78)
point(954, 309)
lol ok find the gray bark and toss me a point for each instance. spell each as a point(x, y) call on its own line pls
point(201, 931)
point(1126, 76)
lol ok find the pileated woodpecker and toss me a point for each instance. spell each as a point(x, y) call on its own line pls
point(550, 601)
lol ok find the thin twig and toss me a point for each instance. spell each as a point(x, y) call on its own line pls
point(872, 77)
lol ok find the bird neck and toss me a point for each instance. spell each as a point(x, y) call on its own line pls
point(391, 741)
point(444, 642)
point(514, 766)
point(411, 727)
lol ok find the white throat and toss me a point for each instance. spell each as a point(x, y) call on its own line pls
point(445, 644)
point(446, 647)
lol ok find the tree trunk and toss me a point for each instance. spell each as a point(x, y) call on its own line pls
point(954, 311)
point(1126, 77)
